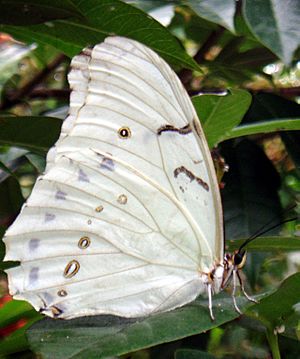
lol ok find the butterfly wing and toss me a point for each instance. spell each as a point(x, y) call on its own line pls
point(127, 214)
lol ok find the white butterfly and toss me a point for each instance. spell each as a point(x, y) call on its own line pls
point(127, 217)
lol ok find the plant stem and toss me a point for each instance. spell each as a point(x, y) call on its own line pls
point(273, 343)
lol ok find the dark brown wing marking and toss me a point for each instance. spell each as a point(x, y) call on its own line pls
point(191, 176)
point(182, 131)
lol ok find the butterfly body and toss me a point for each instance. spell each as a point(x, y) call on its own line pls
point(127, 217)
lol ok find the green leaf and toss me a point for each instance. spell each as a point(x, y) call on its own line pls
point(9, 59)
point(11, 200)
point(20, 12)
point(282, 115)
point(290, 326)
point(5, 169)
point(151, 4)
point(266, 106)
point(275, 23)
point(36, 134)
point(275, 125)
point(39, 162)
point(250, 198)
point(16, 342)
point(17, 313)
point(237, 66)
point(100, 19)
point(105, 336)
point(220, 12)
point(269, 244)
point(276, 307)
point(219, 114)
point(14, 310)
point(192, 354)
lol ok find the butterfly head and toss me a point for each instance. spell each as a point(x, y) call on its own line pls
point(239, 258)
point(233, 262)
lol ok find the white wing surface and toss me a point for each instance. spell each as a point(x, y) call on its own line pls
point(127, 216)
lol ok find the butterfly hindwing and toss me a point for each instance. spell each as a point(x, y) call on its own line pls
point(127, 214)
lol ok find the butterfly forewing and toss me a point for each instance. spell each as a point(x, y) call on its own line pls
point(127, 215)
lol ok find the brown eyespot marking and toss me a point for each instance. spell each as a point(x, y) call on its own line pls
point(84, 242)
point(124, 132)
point(71, 269)
point(122, 199)
point(99, 209)
point(62, 293)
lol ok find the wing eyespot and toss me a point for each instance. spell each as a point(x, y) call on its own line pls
point(124, 132)
point(84, 242)
point(71, 269)
point(122, 199)
point(99, 209)
point(62, 293)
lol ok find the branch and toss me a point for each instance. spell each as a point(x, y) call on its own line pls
point(17, 96)
point(186, 75)
point(289, 92)
point(46, 93)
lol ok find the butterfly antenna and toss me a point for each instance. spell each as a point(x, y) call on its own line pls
point(265, 228)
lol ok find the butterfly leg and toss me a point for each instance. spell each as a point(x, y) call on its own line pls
point(243, 289)
point(209, 292)
point(234, 275)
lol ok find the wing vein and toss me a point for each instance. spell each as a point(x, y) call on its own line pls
point(63, 185)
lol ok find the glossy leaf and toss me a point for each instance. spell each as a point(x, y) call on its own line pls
point(104, 336)
point(275, 125)
point(250, 198)
point(282, 303)
point(220, 12)
point(36, 134)
point(267, 106)
point(11, 200)
point(14, 310)
point(219, 114)
point(101, 18)
point(16, 342)
point(20, 12)
point(237, 62)
point(275, 23)
point(192, 354)
point(37, 161)
point(16, 317)
point(269, 244)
